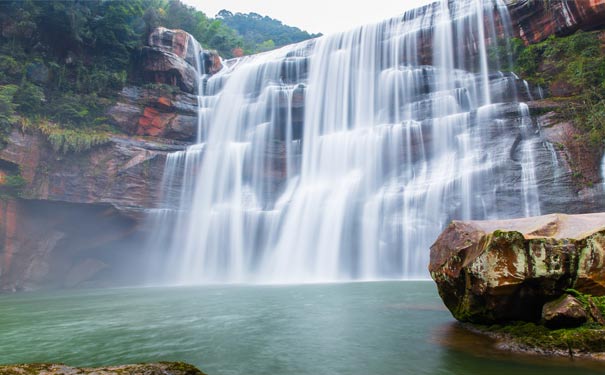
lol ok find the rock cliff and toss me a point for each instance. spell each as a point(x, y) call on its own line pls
point(78, 214)
point(535, 21)
point(116, 183)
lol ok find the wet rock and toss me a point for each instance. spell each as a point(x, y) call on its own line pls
point(162, 368)
point(497, 271)
point(565, 311)
point(212, 62)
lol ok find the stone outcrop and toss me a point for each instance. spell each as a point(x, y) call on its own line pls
point(125, 173)
point(534, 21)
point(172, 57)
point(162, 368)
point(156, 112)
point(168, 68)
point(495, 271)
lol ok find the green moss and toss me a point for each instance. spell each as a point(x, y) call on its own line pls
point(587, 339)
point(67, 140)
point(586, 300)
point(184, 368)
point(577, 63)
point(11, 186)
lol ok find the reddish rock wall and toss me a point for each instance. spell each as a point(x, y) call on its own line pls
point(535, 21)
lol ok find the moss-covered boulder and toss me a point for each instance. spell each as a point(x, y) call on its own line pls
point(162, 368)
point(497, 271)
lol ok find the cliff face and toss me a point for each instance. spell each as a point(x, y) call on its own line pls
point(535, 21)
point(80, 217)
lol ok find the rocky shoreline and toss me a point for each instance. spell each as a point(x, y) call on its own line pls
point(523, 340)
point(534, 285)
point(160, 368)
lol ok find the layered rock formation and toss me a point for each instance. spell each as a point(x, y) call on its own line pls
point(172, 58)
point(80, 216)
point(156, 112)
point(77, 212)
point(535, 21)
point(495, 271)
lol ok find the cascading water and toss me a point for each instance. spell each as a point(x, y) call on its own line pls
point(344, 157)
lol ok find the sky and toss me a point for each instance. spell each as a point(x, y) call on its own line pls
point(314, 16)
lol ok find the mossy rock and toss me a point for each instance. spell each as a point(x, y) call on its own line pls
point(531, 337)
point(161, 368)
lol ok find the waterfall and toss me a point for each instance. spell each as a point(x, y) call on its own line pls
point(342, 158)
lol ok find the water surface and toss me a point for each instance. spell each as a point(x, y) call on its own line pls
point(380, 328)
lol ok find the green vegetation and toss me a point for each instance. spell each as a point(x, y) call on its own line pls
point(573, 67)
point(11, 185)
point(262, 33)
point(63, 62)
point(588, 301)
point(584, 339)
point(589, 337)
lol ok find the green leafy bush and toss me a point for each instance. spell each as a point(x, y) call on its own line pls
point(72, 140)
point(11, 186)
point(29, 99)
point(576, 62)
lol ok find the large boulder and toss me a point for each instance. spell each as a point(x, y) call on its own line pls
point(496, 271)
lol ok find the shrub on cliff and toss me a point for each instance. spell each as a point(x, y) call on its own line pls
point(571, 67)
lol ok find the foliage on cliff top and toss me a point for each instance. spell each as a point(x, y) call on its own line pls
point(65, 61)
point(261, 33)
point(573, 67)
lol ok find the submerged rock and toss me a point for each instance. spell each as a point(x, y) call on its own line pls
point(565, 311)
point(497, 271)
point(162, 368)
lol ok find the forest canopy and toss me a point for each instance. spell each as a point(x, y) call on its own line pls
point(64, 61)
